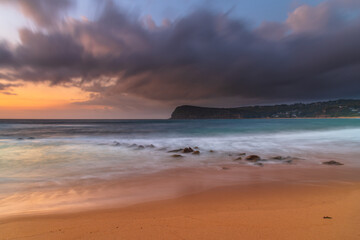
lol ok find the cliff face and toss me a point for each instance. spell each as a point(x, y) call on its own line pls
point(338, 108)
point(193, 112)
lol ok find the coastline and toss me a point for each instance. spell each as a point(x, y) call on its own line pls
point(340, 108)
point(358, 117)
point(260, 209)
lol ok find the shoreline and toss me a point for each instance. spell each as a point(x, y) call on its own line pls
point(258, 211)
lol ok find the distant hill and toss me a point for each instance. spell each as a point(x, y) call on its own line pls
point(338, 108)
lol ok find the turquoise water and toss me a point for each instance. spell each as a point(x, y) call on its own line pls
point(164, 128)
point(51, 156)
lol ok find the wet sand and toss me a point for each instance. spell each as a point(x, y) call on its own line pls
point(281, 209)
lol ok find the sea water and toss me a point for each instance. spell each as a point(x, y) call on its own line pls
point(43, 161)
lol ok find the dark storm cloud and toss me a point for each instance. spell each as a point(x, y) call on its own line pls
point(315, 54)
point(6, 56)
point(6, 88)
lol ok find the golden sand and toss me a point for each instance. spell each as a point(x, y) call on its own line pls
point(256, 211)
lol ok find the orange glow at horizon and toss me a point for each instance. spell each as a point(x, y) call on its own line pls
point(42, 101)
point(41, 96)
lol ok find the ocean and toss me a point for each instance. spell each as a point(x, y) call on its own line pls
point(55, 164)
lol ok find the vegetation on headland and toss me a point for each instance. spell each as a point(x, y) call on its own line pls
point(329, 109)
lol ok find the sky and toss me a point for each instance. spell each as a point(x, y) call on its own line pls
point(140, 59)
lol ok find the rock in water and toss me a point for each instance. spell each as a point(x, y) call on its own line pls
point(177, 156)
point(287, 159)
point(187, 150)
point(239, 158)
point(196, 152)
point(176, 150)
point(332, 162)
point(253, 158)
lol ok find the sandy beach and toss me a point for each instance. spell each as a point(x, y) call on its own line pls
point(259, 210)
point(179, 120)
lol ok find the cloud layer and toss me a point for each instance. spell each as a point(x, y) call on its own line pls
point(202, 57)
point(45, 13)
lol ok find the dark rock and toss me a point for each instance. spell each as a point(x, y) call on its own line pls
point(177, 156)
point(176, 150)
point(196, 148)
point(31, 138)
point(20, 139)
point(116, 143)
point(327, 217)
point(150, 146)
point(259, 164)
point(239, 158)
point(253, 158)
point(211, 151)
point(284, 159)
point(141, 147)
point(332, 162)
point(187, 150)
point(225, 168)
point(196, 152)
point(242, 154)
